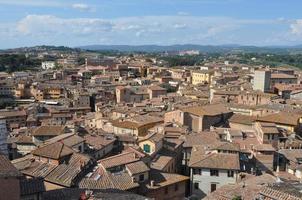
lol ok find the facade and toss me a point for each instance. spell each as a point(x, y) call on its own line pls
point(3, 137)
point(281, 78)
point(262, 80)
point(202, 76)
point(212, 170)
point(255, 98)
point(48, 65)
point(199, 118)
point(9, 180)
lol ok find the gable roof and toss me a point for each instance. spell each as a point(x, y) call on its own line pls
point(120, 159)
point(210, 110)
point(281, 118)
point(7, 169)
point(137, 167)
point(55, 151)
point(48, 131)
point(215, 161)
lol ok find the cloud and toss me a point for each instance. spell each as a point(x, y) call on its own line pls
point(182, 13)
point(82, 7)
point(35, 3)
point(296, 27)
point(50, 29)
point(180, 26)
point(51, 25)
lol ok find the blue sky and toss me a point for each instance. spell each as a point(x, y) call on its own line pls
point(163, 22)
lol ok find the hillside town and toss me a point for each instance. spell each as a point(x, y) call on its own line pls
point(124, 127)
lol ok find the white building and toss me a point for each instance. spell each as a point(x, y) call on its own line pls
point(3, 137)
point(262, 80)
point(209, 170)
point(48, 65)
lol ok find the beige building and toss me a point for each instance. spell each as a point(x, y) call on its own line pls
point(202, 76)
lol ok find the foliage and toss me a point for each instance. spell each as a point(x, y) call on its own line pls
point(17, 62)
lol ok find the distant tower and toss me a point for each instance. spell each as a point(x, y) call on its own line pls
point(3, 137)
point(262, 80)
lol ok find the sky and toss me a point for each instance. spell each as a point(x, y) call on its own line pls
point(140, 22)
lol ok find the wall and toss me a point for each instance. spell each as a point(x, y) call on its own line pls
point(9, 189)
point(205, 181)
point(172, 194)
point(174, 116)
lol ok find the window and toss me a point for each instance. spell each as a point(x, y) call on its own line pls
point(197, 171)
point(196, 186)
point(214, 172)
point(141, 177)
point(147, 148)
point(176, 187)
point(213, 187)
point(166, 190)
point(230, 173)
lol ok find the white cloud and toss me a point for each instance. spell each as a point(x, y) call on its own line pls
point(45, 29)
point(48, 24)
point(296, 27)
point(180, 26)
point(82, 7)
point(36, 3)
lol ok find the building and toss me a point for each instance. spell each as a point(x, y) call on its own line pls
point(199, 118)
point(43, 133)
point(291, 122)
point(57, 164)
point(9, 180)
point(3, 137)
point(262, 80)
point(152, 143)
point(201, 77)
point(48, 65)
point(267, 133)
point(211, 169)
point(13, 118)
point(255, 98)
point(281, 78)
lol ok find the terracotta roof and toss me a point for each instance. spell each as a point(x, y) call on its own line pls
point(12, 113)
point(55, 150)
point(24, 139)
point(98, 141)
point(282, 191)
point(125, 124)
point(247, 189)
point(268, 128)
point(242, 119)
point(215, 161)
point(155, 137)
point(120, 159)
point(163, 179)
point(210, 110)
point(227, 146)
point(49, 131)
point(137, 167)
point(282, 75)
point(281, 118)
point(7, 169)
point(156, 87)
point(203, 138)
point(73, 140)
point(65, 173)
